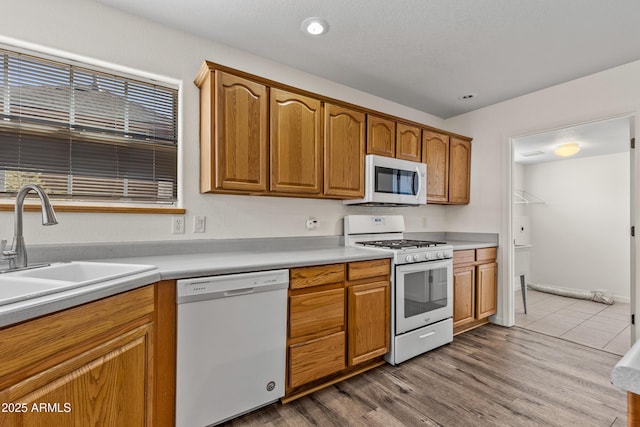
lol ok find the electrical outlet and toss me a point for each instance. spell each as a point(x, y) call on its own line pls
point(199, 224)
point(312, 223)
point(177, 225)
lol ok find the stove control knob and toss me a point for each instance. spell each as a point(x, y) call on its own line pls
point(408, 258)
point(440, 254)
point(428, 256)
point(417, 257)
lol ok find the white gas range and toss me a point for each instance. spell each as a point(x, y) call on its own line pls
point(421, 283)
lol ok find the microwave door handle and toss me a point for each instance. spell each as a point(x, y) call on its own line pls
point(419, 182)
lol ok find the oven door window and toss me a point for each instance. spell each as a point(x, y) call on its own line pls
point(396, 181)
point(425, 291)
point(423, 294)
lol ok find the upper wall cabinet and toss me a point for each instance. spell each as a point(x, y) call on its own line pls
point(261, 137)
point(344, 141)
point(408, 142)
point(381, 136)
point(448, 162)
point(234, 142)
point(459, 170)
point(296, 143)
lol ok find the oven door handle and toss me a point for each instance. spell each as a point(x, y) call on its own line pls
point(419, 182)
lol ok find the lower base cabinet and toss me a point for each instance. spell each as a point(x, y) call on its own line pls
point(338, 323)
point(95, 364)
point(474, 288)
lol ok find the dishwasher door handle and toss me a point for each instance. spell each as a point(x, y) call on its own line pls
point(237, 292)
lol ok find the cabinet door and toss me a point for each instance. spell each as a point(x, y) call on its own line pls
point(459, 170)
point(408, 143)
point(344, 140)
point(107, 385)
point(486, 294)
point(435, 154)
point(240, 135)
point(381, 136)
point(296, 143)
point(368, 320)
point(463, 295)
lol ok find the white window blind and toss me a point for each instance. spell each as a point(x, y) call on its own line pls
point(85, 134)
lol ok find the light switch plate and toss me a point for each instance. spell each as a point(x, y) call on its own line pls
point(199, 223)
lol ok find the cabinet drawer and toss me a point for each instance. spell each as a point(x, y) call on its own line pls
point(365, 269)
point(315, 359)
point(486, 254)
point(464, 257)
point(316, 312)
point(306, 277)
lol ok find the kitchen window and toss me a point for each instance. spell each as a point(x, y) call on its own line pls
point(84, 134)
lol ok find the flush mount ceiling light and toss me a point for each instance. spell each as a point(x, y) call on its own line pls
point(315, 26)
point(567, 150)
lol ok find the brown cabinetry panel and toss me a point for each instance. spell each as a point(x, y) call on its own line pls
point(305, 277)
point(316, 312)
point(100, 358)
point(296, 143)
point(365, 269)
point(368, 321)
point(408, 142)
point(436, 156)
point(381, 136)
point(311, 360)
point(486, 299)
point(240, 130)
point(344, 143)
point(459, 170)
point(463, 295)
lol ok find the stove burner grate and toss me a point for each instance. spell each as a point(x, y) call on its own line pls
point(401, 244)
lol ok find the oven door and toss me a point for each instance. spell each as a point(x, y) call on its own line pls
point(423, 294)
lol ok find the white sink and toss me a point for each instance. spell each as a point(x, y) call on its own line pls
point(26, 284)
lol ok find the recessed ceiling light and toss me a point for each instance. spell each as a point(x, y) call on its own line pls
point(568, 149)
point(315, 26)
point(468, 96)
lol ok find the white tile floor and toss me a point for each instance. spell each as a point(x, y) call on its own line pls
point(589, 323)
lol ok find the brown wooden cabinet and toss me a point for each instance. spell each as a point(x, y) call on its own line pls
point(474, 288)
point(95, 364)
point(381, 136)
point(436, 155)
point(295, 143)
point(448, 162)
point(344, 142)
point(234, 142)
point(459, 170)
point(408, 142)
point(317, 325)
point(338, 323)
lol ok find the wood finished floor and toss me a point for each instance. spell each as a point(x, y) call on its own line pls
point(491, 376)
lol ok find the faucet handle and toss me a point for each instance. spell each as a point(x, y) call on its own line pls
point(6, 253)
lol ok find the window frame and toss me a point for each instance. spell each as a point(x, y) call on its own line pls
point(100, 66)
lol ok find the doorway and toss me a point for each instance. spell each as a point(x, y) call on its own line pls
point(571, 213)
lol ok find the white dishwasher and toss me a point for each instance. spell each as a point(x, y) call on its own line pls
point(231, 339)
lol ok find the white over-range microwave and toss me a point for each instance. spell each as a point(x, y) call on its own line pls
point(393, 182)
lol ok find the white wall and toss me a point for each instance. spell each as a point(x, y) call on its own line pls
point(606, 94)
point(580, 235)
point(92, 30)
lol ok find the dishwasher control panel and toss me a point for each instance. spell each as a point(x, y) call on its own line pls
point(197, 289)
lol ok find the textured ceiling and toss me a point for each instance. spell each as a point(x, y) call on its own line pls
point(420, 53)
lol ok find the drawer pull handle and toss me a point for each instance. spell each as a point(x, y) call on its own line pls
point(427, 335)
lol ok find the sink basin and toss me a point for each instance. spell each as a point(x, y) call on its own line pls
point(26, 284)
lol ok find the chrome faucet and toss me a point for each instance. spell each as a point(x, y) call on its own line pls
point(17, 255)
